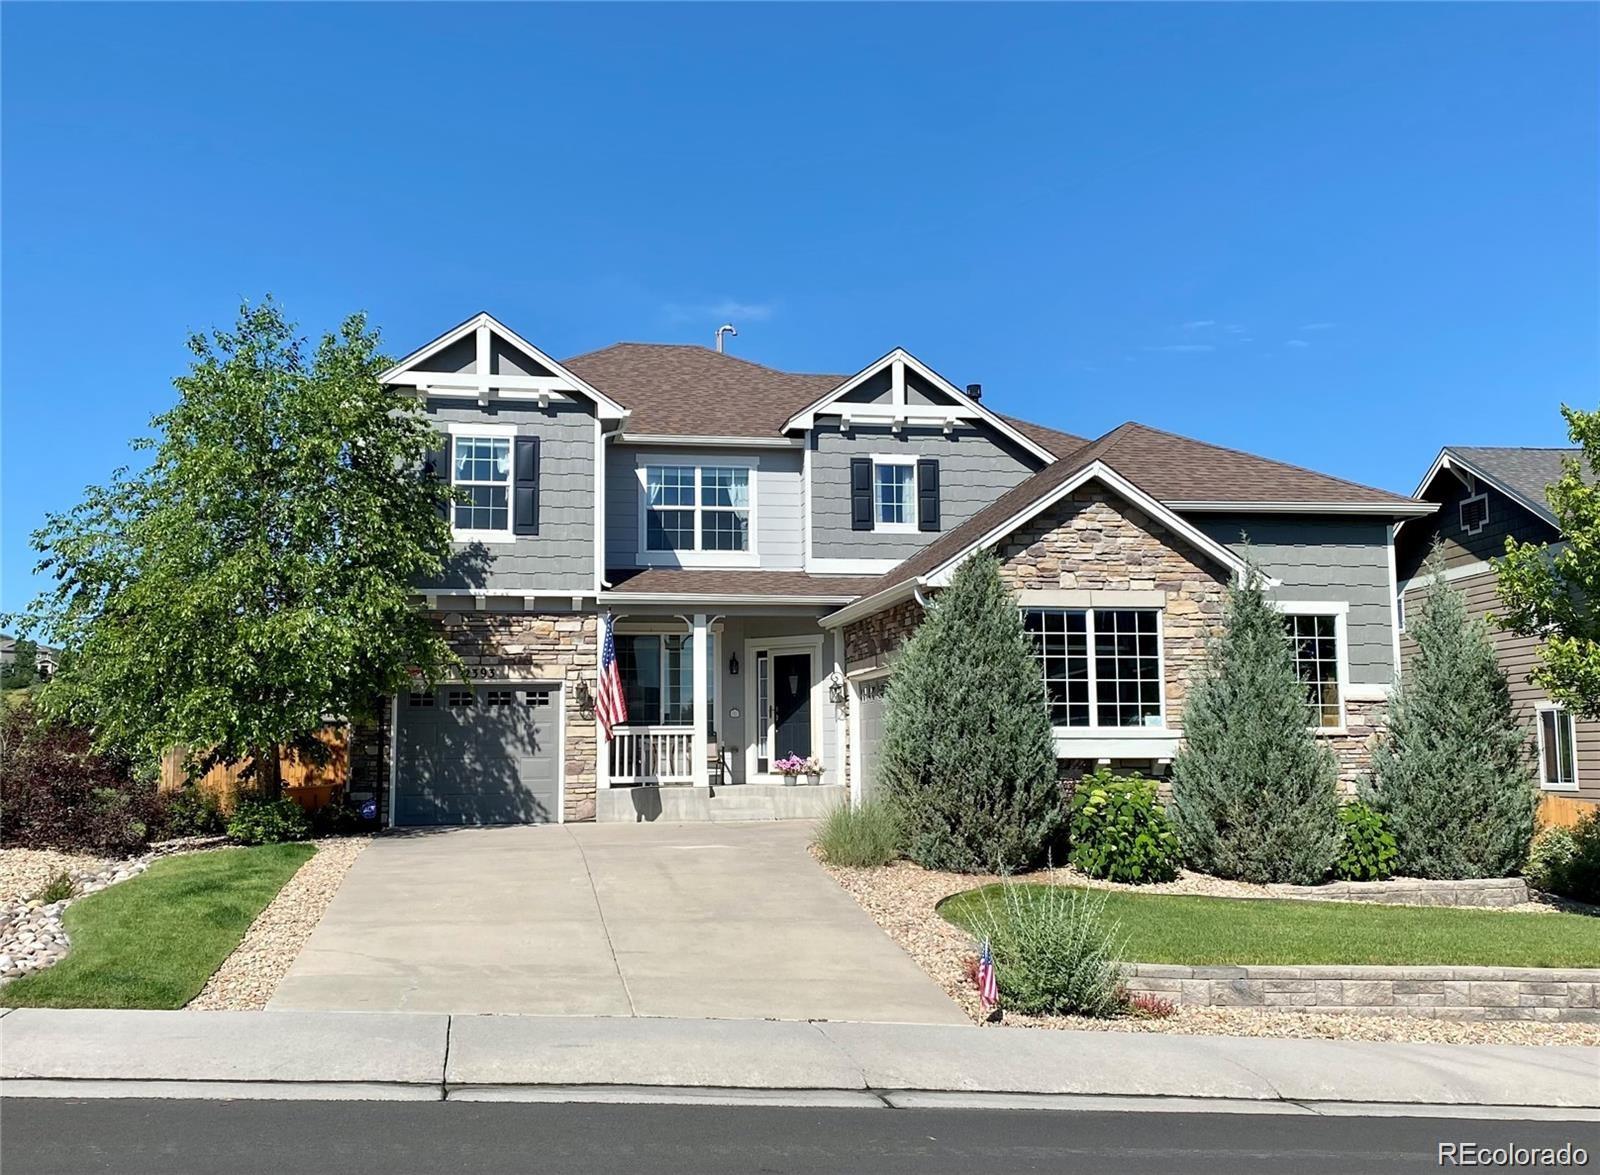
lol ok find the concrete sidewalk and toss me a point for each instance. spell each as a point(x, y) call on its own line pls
point(432, 1056)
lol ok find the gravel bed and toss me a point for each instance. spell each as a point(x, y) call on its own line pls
point(901, 898)
point(24, 872)
point(249, 976)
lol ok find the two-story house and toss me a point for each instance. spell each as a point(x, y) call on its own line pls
point(763, 542)
point(1485, 496)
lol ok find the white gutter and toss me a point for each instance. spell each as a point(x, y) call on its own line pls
point(689, 598)
point(712, 442)
point(867, 605)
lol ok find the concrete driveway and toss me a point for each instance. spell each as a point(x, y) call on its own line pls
point(720, 920)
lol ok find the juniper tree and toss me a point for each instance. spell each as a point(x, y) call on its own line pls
point(1254, 795)
point(1452, 772)
point(968, 758)
point(255, 577)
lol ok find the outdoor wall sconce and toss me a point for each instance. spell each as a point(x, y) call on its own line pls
point(836, 690)
point(733, 665)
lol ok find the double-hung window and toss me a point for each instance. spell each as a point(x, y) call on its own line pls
point(1314, 641)
point(1102, 666)
point(1558, 757)
point(697, 513)
point(480, 470)
point(894, 494)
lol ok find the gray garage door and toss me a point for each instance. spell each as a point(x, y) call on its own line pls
point(871, 694)
point(477, 755)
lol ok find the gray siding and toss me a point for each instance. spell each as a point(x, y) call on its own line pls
point(778, 486)
point(1325, 559)
point(976, 466)
point(560, 558)
point(1506, 519)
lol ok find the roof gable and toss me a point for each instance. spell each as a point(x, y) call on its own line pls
point(1523, 475)
point(484, 359)
point(946, 403)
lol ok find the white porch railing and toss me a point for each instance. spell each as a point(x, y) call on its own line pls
point(652, 754)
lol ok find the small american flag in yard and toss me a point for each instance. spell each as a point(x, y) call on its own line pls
point(611, 706)
point(988, 985)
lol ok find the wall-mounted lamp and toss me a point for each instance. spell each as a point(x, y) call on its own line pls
point(836, 690)
point(733, 665)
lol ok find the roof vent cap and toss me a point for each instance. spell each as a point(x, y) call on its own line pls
point(975, 391)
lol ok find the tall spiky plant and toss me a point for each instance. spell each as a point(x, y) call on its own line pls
point(967, 758)
point(1453, 771)
point(1254, 795)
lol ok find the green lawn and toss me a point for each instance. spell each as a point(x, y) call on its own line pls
point(1164, 928)
point(154, 941)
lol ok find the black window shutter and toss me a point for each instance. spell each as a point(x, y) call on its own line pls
point(861, 493)
point(527, 486)
point(436, 465)
point(927, 493)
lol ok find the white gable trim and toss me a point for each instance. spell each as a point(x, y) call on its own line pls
point(1459, 465)
point(898, 412)
point(941, 575)
point(482, 386)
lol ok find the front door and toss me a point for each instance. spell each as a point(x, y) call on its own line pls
point(791, 705)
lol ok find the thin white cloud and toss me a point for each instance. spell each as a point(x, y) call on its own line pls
point(1182, 347)
point(726, 310)
point(1234, 328)
point(1297, 343)
point(1319, 326)
point(1200, 324)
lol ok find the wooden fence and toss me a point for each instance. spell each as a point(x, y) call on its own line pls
point(1557, 811)
point(312, 785)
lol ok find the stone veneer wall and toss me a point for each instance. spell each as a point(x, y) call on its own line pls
point(1093, 540)
point(871, 643)
point(1441, 993)
point(1353, 748)
point(556, 646)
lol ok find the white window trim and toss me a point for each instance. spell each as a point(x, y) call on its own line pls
point(1538, 723)
point(1094, 729)
point(459, 429)
point(1461, 517)
point(909, 527)
point(1340, 611)
point(750, 557)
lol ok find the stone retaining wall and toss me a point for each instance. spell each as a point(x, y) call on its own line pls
point(1483, 892)
point(1445, 993)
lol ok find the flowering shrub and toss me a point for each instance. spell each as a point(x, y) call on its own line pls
point(1119, 831)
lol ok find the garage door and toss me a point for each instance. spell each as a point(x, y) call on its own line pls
point(871, 695)
point(478, 755)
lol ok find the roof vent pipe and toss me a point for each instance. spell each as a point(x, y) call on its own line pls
point(726, 328)
point(974, 391)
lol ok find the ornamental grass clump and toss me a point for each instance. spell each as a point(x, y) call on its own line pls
point(1055, 952)
point(1452, 772)
point(1253, 794)
point(967, 758)
point(860, 835)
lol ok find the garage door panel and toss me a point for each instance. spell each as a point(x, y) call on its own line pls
point(478, 755)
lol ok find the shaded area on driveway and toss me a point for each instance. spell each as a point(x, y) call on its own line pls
point(724, 920)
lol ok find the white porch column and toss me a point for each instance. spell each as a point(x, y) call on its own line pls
point(699, 667)
point(839, 770)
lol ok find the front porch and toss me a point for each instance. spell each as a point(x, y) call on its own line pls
point(715, 702)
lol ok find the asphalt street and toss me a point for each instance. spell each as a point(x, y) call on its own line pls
point(179, 1137)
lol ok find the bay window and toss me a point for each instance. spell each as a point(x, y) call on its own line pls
point(1101, 666)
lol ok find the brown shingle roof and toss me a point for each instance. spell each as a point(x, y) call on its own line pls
point(695, 581)
point(681, 390)
point(1168, 467)
point(1059, 443)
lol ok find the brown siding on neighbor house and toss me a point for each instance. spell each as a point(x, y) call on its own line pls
point(1518, 655)
point(1093, 540)
point(556, 646)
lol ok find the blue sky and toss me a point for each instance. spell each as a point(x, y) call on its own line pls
point(1337, 235)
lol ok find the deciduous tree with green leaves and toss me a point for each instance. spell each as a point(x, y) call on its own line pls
point(23, 669)
point(1253, 794)
point(254, 578)
point(1555, 595)
point(968, 759)
point(1451, 772)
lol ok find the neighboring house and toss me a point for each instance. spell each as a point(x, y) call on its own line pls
point(765, 540)
point(45, 658)
point(1485, 496)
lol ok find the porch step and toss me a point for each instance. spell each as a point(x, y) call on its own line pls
point(725, 803)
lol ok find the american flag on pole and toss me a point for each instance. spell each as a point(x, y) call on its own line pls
point(988, 985)
point(610, 706)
